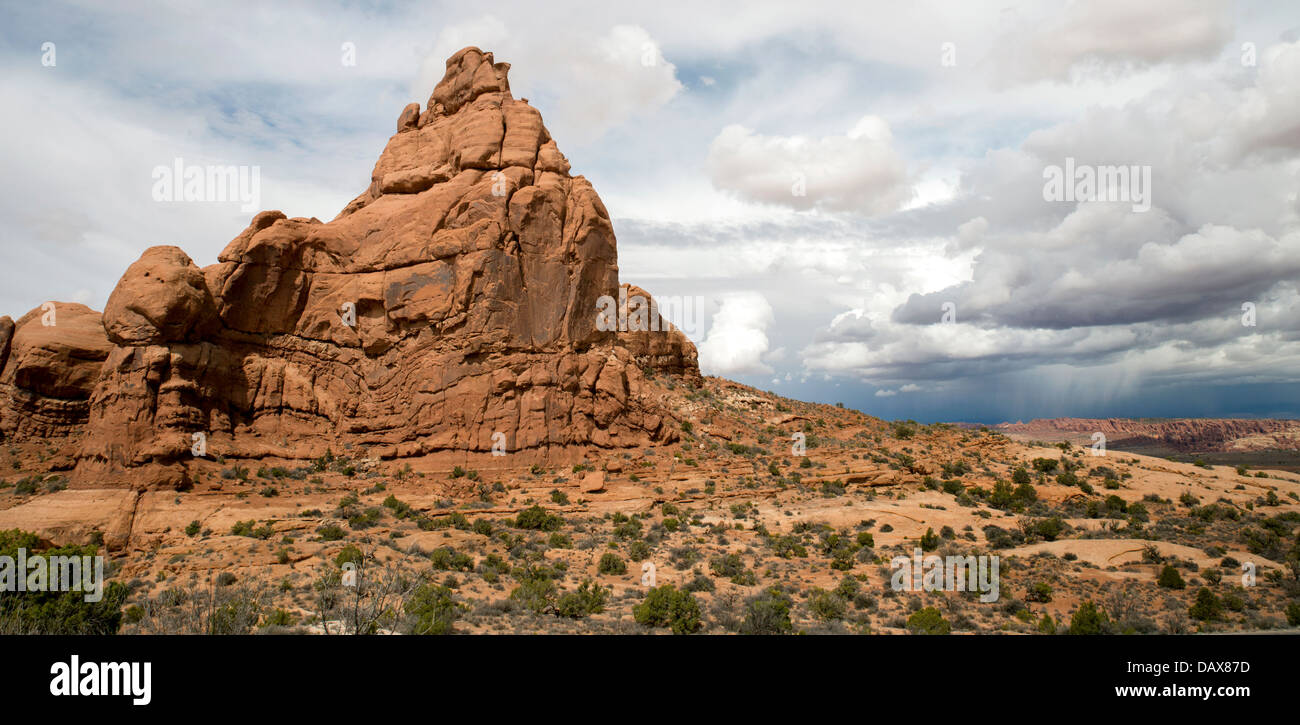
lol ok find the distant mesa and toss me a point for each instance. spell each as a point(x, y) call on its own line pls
point(1188, 435)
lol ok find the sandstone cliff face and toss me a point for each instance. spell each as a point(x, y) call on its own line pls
point(49, 361)
point(450, 307)
point(653, 341)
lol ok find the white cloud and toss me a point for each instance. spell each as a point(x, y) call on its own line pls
point(737, 339)
point(1105, 34)
point(1268, 115)
point(860, 171)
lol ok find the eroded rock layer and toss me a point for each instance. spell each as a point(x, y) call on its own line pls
point(49, 362)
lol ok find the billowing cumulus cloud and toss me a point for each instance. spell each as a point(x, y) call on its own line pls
point(737, 339)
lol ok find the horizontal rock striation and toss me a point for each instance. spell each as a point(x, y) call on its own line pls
point(1184, 434)
point(49, 362)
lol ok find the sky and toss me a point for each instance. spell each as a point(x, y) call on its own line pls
point(885, 205)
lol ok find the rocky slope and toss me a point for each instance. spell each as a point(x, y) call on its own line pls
point(764, 505)
point(450, 308)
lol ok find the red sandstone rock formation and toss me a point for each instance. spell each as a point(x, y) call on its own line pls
point(653, 341)
point(49, 361)
point(450, 306)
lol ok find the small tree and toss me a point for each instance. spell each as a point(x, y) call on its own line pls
point(1089, 619)
point(929, 540)
point(432, 610)
point(1207, 607)
point(665, 606)
point(1170, 578)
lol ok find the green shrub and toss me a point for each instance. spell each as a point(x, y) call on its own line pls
point(366, 519)
point(727, 565)
point(1024, 494)
point(928, 621)
point(638, 551)
point(538, 519)
point(1207, 606)
point(1039, 592)
point(433, 610)
point(251, 529)
point(768, 613)
point(448, 559)
point(536, 590)
point(665, 606)
point(1293, 614)
point(1089, 619)
point(1049, 528)
point(610, 563)
point(1170, 578)
point(56, 612)
point(280, 618)
point(827, 606)
point(349, 554)
point(848, 588)
point(586, 600)
point(400, 509)
point(331, 532)
point(929, 540)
